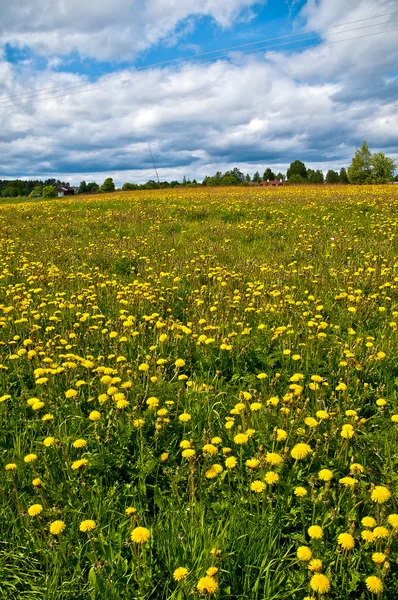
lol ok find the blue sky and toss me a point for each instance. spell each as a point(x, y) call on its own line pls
point(252, 110)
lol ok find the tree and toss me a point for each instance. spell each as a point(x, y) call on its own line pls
point(36, 192)
point(49, 191)
point(297, 168)
point(360, 170)
point(127, 187)
point(236, 173)
point(229, 180)
point(212, 181)
point(396, 178)
point(108, 185)
point(92, 187)
point(281, 176)
point(343, 177)
point(268, 174)
point(256, 177)
point(248, 178)
point(314, 176)
point(383, 168)
point(83, 187)
point(332, 177)
point(296, 178)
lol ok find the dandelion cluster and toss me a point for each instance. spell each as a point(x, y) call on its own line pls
point(198, 393)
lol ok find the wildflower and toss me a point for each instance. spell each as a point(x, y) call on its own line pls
point(281, 435)
point(80, 443)
point(374, 584)
point(380, 494)
point(77, 464)
point(231, 462)
point(188, 453)
point(320, 583)
point(257, 486)
point(322, 414)
point(262, 376)
point(57, 527)
point(10, 467)
point(241, 438)
point(300, 492)
point(130, 510)
point(70, 393)
point(315, 532)
point(36, 482)
point(304, 553)
point(121, 404)
point(34, 510)
point(346, 541)
point(152, 403)
point(179, 363)
point(348, 482)
point(274, 459)
point(325, 474)
point(252, 463)
point(88, 525)
point(214, 471)
point(369, 522)
point(180, 573)
point(255, 406)
point(271, 477)
point(356, 468)
point(207, 584)
point(311, 422)
point(49, 441)
point(164, 456)
point(393, 521)
point(30, 458)
point(139, 535)
point(184, 417)
point(368, 536)
point(381, 532)
point(94, 415)
point(394, 418)
point(315, 565)
point(47, 417)
point(37, 405)
point(210, 449)
point(300, 451)
point(378, 557)
point(211, 571)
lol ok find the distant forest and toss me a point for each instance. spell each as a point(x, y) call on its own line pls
point(365, 168)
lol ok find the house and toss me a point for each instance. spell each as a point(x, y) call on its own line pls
point(62, 190)
point(273, 182)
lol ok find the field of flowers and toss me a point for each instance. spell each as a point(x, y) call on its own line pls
point(198, 395)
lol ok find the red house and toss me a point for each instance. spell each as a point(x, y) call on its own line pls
point(274, 182)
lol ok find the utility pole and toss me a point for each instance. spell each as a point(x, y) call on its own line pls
point(154, 166)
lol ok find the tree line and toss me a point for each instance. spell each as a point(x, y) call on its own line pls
point(365, 168)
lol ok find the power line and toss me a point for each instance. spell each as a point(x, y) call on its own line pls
point(8, 101)
point(251, 50)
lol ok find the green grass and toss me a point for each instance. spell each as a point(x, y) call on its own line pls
point(236, 282)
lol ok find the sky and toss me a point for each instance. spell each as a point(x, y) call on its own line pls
point(209, 84)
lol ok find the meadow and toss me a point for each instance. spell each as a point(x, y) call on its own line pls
point(198, 395)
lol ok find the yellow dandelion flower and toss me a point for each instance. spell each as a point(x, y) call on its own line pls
point(320, 583)
point(378, 557)
point(94, 415)
point(77, 464)
point(304, 553)
point(80, 443)
point(315, 532)
point(368, 536)
point(369, 522)
point(184, 417)
point(374, 584)
point(231, 462)
point(88, 525)
point(300, 492)
point(35, 510)
point(180, 573)
point(130, 510)
point(273, 458)
point(271, 477)
point(188, 453)
point(252, 463)
point(10, 467)
point(380, 494)
point(325, 474)
point(207, 584)
point(315, 565)
point(139, 535)
point(301, 451)
point(257, 486)
point(393, 521)
point(57, 527)
point(70, 393)
point(241, 438)
point(381, 532)
point(346, 541)
point(30, 458)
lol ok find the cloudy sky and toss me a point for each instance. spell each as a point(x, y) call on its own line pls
point(211, 84)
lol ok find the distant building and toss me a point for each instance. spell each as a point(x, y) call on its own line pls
point(62, 190)
point(273, 182)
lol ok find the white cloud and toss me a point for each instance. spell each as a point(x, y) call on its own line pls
point(253, 112)
point(105, 30)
